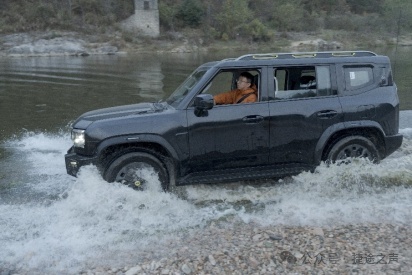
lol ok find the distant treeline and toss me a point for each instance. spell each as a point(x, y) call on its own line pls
point(216, 19)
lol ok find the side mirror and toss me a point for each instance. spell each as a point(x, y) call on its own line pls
point(383, 82)
point(203, 103)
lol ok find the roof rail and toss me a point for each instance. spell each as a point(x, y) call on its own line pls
point(229, 59)
point(305, 55)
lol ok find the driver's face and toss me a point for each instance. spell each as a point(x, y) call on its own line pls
point(242, 83)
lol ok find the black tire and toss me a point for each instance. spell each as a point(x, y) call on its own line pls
point(125, 169)
point(353, 147)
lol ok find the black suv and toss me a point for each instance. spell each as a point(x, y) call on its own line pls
point(311, 107)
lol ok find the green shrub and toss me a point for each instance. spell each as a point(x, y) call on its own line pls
point(225, 37)
point(288, 17)
point(233, 15)
point(167, 15)
point(353, 22)
point(256, 31)
point(190, 13)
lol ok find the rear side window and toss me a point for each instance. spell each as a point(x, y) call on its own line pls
point(358, 77)
point(302, 82)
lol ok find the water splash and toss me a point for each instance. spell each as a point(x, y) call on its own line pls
point(89, 218)
point(52, 222)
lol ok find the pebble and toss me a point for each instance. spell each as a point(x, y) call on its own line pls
point(212, 260)
point(275, 237)
point(248, 248)
point(186, 269)
point(134, 270)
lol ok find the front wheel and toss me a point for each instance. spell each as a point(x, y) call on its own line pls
point(353, 147)
point(137, 170)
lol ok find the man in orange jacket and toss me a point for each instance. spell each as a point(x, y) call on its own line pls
point(246, 91)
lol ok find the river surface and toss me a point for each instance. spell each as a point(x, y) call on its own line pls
point(51, 222)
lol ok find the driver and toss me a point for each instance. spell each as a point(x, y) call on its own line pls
point(246, 91)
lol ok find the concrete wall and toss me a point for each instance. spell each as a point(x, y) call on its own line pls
point(145, 20)
point(140, 5)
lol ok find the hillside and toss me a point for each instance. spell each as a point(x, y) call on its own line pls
point(82, 27)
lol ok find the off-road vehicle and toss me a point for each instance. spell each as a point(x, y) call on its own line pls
point(311, 107)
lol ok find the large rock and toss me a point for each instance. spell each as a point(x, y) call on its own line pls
point(56, 46)
point(44, 44)
point(317, 44)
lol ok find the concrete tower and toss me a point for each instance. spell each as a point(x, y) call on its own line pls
point(145, 19)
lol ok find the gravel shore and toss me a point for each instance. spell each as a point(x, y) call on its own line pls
point(250, 249)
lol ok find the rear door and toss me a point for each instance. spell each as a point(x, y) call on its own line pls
point(303, 104)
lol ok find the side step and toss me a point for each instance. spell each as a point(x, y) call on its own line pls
point(241, 174)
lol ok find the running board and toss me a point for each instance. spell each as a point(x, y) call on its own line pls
point(243, 174)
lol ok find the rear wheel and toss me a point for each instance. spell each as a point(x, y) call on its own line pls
point(137, 170)
point(353, 147)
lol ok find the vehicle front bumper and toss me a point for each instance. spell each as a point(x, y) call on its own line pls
point(74, 162)
point(393, 143)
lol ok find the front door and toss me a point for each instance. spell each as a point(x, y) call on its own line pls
point(230, 136)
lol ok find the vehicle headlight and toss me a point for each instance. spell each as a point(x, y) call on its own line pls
point(78, 138)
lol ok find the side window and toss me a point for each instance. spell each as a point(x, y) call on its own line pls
point(280, 80)
point(226, 81)
point(357, 77)
point(222, 82)
point(324, 82)
point(302, 82)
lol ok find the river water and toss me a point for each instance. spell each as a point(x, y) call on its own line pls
point(51, 222)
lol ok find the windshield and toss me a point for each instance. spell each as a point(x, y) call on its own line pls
point(185, 87)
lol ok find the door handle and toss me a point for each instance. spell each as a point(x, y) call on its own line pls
point(252, 119)
point(327, 114)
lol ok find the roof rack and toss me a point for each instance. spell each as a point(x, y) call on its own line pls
point(305, 55)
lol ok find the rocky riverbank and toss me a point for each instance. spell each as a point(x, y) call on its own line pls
point(238, 248)
point(251, 249)
point(53, 44)
point(57, 43)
